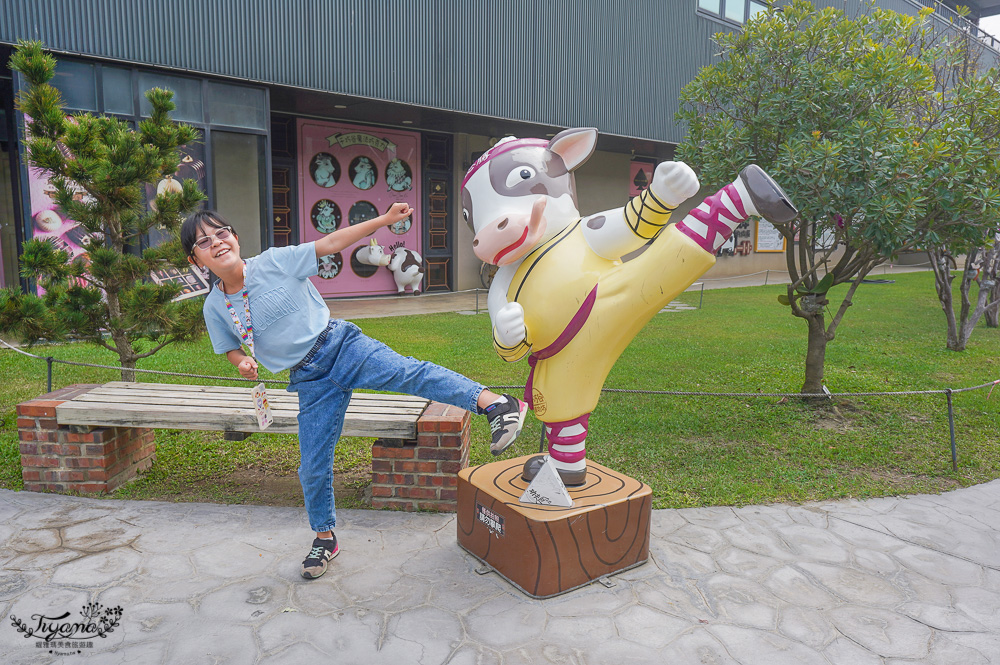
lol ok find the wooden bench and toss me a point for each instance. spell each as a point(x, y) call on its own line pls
point(229, 409)
point(92, 438)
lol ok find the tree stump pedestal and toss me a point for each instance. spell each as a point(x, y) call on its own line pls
point(548, 550)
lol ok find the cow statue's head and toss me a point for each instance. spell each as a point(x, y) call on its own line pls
point(521, 192)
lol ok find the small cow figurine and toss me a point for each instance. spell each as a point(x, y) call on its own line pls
point(372, 254)
point(407, 269)
point(572, 292)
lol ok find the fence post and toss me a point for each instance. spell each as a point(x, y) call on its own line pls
point(766, 273)
point(48, 361)
point(951, 430)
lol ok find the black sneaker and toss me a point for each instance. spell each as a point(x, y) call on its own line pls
point(319, 557)
point(767, 196)
point(506, 420)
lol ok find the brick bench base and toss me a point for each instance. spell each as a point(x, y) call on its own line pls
point(423, 474)
point(419, 474)
point(77, 458)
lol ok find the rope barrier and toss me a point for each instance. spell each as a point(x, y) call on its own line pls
point(948, 392)
point(51, 360)
point(682, 393)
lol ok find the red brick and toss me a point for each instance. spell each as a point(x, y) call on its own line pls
point(439, 453)
point(27, 448)
point(90, 488)
point(405, 452)
point(382, 465)
point(100, 435)
point(402, 479)
point(31, 474)
point(96, 475)
point(27, 423)
point(430, 481)
point(415, 492)
point(95, 449)
point(451, 467)
point(392, 504)
point(38, 461)
point(449, 494)
point(69, 392)
point(382, 478)
point(451, 441)
point(47, 423)
point(381, 491)
point(38, 408)
point(29, 435)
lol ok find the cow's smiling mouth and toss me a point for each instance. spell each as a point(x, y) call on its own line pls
point(510, 248)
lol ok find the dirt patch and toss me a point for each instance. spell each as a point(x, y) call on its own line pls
point(908, 483)
point(261, 487)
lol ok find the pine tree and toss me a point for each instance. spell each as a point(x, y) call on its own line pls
point(99, 167)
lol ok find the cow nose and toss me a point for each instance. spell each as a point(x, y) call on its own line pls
point(502, 225)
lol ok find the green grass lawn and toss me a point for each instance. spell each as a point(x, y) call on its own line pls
point(692, 450)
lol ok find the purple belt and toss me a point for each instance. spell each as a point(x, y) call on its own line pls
point(575, 325)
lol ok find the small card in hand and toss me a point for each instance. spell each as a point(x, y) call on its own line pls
point(260, 405)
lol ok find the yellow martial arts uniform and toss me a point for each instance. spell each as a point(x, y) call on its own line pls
point(587, 309)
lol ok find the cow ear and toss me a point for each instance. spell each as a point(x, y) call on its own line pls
point(575, 146)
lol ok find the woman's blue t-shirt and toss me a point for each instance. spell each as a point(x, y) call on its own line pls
point(286, 310)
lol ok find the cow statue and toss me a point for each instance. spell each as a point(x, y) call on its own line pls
point(407, 269)
point(372, 254)
point(570, 292)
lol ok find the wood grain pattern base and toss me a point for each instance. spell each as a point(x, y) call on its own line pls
point(548, 550)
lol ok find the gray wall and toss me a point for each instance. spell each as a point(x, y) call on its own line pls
point(617, 66)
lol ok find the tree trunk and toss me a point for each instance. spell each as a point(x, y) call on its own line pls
point(941, 264)
point(991, 282)
point(993, 313)
point(815, 353)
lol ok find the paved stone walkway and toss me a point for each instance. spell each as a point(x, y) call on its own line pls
point(899, 580)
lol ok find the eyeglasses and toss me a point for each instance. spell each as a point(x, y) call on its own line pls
point(205, 242)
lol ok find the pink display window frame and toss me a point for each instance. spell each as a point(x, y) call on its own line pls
point(341, 180)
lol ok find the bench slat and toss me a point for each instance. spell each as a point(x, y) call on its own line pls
point(114, 387)
point(226, 408)
point(186, 403)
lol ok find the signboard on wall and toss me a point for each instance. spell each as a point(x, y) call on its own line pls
point(349, 174)
point(640, 174)
point(768, 239)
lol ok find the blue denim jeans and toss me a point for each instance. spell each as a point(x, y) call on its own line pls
point(342, 360)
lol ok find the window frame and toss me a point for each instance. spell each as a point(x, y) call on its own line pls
point(721, 15)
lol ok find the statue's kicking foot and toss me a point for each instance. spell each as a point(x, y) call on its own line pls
point(766, 196)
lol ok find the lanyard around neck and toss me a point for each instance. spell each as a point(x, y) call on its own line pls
point(246, 332)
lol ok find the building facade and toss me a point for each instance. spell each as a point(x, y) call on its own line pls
point(314, 114)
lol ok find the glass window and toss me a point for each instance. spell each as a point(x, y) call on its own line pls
point(117, 85)
point(187, 95)
point(756, 8)
point(237, 174)
point(735, 10)
point(711, 6)
point(236, 105)
point(77, 81)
